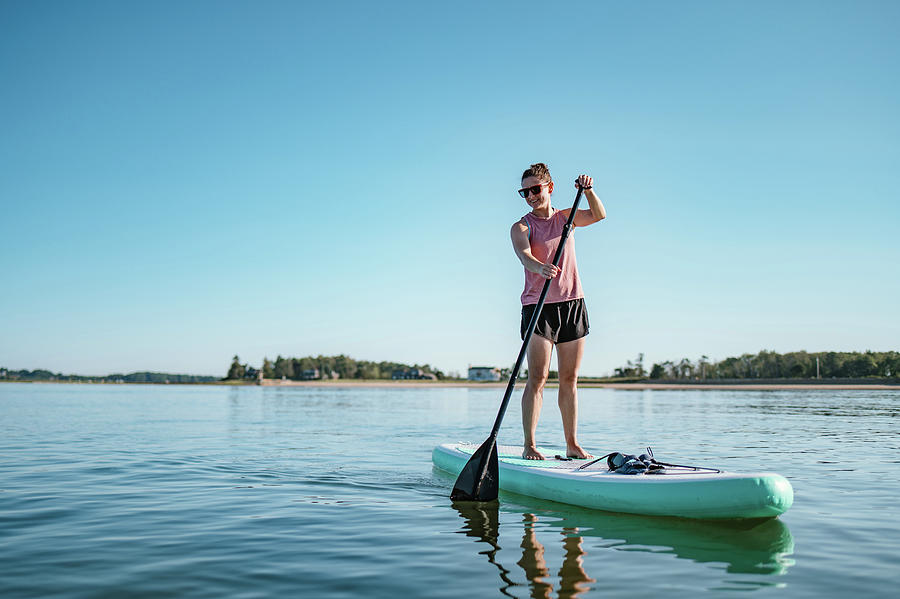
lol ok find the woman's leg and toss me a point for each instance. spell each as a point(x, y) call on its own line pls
point(568, 356)
point(539, 351)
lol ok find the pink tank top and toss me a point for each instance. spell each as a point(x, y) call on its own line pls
point(544, 235)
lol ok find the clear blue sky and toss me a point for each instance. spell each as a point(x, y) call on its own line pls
point(182, 182)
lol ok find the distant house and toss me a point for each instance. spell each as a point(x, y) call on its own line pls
point(483, 373)
point(413, 373)
point(310, 375)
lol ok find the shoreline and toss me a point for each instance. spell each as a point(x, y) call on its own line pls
point(463, 384)
point(595, 385)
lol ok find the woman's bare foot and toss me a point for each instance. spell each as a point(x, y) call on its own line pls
point(531, 453)
point(575, 451)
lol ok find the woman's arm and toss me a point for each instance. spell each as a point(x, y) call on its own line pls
point(596, 213)
point(522, 247)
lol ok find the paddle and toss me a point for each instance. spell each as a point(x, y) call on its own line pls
point(479, 479)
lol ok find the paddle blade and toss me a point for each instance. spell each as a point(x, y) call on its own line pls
point(479, 479)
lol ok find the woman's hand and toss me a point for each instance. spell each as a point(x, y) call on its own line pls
point(548, 271)
point(584, 182)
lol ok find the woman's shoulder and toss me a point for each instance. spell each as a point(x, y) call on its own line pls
point(523, 220)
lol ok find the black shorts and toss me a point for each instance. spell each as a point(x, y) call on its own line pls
point(559, 322)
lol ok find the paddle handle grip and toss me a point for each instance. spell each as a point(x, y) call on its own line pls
point(534, 317)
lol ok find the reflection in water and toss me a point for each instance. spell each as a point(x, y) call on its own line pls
point(483, 522)
point(572, 577)
point(751, 547)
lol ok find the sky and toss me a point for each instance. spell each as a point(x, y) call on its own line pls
point(181, 182)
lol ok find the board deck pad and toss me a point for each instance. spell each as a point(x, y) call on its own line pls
point(512, 454)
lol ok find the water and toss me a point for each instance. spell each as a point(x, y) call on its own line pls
point(180, 491)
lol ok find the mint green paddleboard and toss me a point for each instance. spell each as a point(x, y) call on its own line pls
point(678, 492)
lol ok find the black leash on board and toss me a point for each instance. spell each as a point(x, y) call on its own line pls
point(645, 463)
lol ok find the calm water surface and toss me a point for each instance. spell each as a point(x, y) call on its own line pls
point(179, 491)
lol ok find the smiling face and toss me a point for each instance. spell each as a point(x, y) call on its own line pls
point(541, 200)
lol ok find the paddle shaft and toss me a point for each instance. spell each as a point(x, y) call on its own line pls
point(534, 317)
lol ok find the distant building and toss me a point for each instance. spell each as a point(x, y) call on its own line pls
point(483, 373)
point(413, 373)
point(310, 374)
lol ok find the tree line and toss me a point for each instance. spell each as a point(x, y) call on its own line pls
point(343, 367)
point(134, 377)
point(772, 365)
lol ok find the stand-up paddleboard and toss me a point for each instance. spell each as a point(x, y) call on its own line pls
point(677, 491)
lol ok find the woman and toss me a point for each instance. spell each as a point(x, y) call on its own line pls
point(563, 321)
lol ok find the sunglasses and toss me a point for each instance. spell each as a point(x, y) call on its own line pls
point(534, 190)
